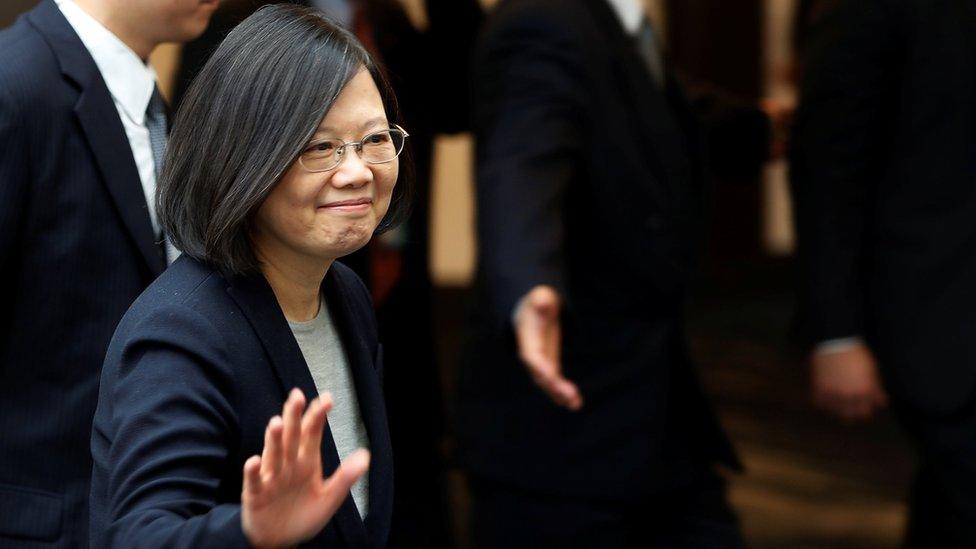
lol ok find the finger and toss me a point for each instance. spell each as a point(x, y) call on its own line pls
point(312, 426)
point(561, 390)
point(252, 476)
point(326, 400)
point(568, 393)
point(291, 435)
point(336, 488)
point(271, 456)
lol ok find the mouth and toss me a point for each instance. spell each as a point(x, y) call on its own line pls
point(351, 205)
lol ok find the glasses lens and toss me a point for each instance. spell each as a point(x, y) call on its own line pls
point(321, 155)
point(382, 146)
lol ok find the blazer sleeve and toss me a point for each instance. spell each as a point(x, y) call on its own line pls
point(529, 134)
point(172, 426)
point(838, 148)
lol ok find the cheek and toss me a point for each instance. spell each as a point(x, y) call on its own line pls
point(386, 181)
point(288, 212)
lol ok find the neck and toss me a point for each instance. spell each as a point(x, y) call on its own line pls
point(296, 282)
point(114, 19)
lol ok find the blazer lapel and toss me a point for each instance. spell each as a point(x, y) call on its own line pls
point(99, 119)
point(258, 303)
point(664, 141)
point(348, 317)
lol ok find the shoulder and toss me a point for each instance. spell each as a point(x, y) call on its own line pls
point(27, 65)
point(182, 307)
point(555, 18)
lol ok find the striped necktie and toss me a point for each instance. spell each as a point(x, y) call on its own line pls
point(156, 123)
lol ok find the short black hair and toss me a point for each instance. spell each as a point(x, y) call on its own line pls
point(245, 120)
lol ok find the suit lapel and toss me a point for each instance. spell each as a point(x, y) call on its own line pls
point(258, 303)
point(655, 122)
point(99, 120)
point(347, 317)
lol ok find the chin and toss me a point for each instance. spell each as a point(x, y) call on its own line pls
point(349, 243)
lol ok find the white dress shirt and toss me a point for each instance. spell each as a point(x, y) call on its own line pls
point(630, 12)
point(131, 82)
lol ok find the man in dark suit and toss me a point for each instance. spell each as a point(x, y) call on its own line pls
point(80, 131)
point(884, 174)
point(428, 70)
point(582, 422)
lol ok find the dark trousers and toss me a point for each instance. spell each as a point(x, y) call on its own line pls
point(696, 516)
point(943, 500)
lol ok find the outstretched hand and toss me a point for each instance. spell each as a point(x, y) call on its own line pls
point(539, 337)
point(285, 499)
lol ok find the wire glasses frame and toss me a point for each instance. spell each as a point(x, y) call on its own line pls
point(379, 147)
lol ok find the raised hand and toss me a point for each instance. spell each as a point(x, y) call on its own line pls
point(846, 383)
point(539, 337)
point(285, 499)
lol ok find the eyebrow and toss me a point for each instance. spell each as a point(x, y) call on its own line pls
point(366, 125)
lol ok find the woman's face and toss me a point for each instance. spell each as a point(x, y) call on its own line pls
point(327, 215)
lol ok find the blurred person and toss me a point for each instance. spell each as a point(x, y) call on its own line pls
point(582, 422)
point(884, 180)
point(283, 158)
point(82, 133)
point(428, 69)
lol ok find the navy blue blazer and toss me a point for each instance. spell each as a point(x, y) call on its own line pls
point(196, 369)
point(76, 249)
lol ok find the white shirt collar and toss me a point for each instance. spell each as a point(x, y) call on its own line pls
point(129, 80)
point(630, 12)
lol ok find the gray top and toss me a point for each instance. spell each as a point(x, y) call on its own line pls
point(326, 359)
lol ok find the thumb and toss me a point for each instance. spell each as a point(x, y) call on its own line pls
point(336, 488)
point(544, 300)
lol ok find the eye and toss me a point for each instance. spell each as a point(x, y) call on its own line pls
point(324, 146)
point(378, 138)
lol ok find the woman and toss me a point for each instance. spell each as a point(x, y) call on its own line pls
point(281, 160)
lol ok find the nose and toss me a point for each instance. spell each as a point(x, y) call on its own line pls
point(352, 171)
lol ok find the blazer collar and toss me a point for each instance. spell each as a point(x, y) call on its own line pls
point(99, 120)
point(257, 301)
point(652, 104)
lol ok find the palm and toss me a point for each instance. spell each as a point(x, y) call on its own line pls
point(285, 499)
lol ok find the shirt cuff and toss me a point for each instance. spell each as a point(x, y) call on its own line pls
point(837, 345)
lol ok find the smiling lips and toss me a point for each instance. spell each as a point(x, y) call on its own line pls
point(352, 205)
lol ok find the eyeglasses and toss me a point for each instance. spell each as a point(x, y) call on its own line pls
point(376, 148)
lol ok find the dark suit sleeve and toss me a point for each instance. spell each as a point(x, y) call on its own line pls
point(529, 133)
point(14, 183)
point(172, 429)
point(838, 145)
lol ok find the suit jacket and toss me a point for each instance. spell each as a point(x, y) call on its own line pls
point(76, 248)
point(589, 180)
point(884, 174)
point(196, 369)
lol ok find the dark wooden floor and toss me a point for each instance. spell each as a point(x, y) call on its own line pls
point(811, 481)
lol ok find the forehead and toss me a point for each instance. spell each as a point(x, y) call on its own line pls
point(358, 107)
